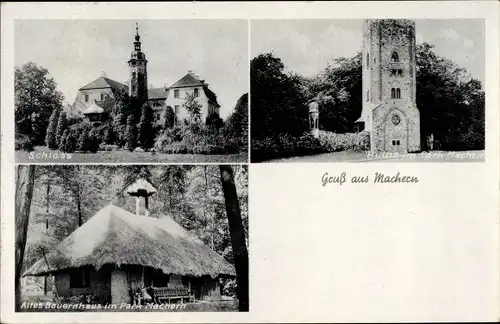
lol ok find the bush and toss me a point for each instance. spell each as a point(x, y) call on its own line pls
point(195, 138)
point(285, 145)
point(24, 142)
point(69, 141)
point(94, 140)
point(50, 137)
point(108, 147)
point(333, 142)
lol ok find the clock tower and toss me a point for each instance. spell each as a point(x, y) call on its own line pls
point(138, 87)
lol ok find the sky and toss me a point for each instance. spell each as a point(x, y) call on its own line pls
point(306, 46)
point(76, 52)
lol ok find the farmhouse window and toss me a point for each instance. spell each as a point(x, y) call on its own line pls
point(86, 98)
point(176, 93)
point(102, 96)
point(176, 107)
point(79, 278)
point(196, 94)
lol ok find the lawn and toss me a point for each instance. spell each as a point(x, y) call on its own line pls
point(346, 156)
point(42, 154)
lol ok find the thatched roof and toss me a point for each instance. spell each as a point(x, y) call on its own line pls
point(141, 187)
point(116, 236)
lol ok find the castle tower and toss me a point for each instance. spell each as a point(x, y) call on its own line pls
point(138, 87)
point(390, 112)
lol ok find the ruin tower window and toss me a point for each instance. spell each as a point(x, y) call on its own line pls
point(398, 93)
point(368, 95)
point(395, 57)
point(367, 60)
point(393, 93)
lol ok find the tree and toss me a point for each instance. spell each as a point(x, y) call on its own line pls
point(62, 125)
point(35, 99)
point(237, 234)
point(50, 139)
point(94, 140)
point(237, 123)
point(192, 106)
point(63, 140)
point(278, 105)
point(169, 117)
point(25, 179)
point(131, 133)
point(214, 121)
point(83, 141)
point(145, 129)
point(121, 111)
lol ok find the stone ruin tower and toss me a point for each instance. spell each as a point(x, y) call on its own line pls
point(390, 112)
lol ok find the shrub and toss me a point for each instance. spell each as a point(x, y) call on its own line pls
point(333, 142)
point(62, 125)
point(62, 140)
point(69, 141)
point(50, 138)
point(94, 140)
point(108, 147)
point(145, 130)
point(131, 134)
point(24, 142)
point(83, 141)
point(169, 117)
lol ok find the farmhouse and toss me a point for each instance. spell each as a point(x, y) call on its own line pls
point(117, 253)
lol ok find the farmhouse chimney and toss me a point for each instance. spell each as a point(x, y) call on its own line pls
point(141, 188)
point(104, 73)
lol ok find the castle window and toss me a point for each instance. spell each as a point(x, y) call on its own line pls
point(368, 95)
point(367, 60)
point(86, 98)
point(176, 109)
point(133, 75)
point(396, 142)
point(176, 93)
point(196, 94)
point(393, 93)
point(102, 96)
point(394, 57)
point(398, 93)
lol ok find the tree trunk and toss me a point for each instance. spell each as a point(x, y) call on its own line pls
point(240, 252)
point(45, 284)
point(25, 179)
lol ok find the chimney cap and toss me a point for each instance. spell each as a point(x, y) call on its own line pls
point(103, 73)
point(141, 188)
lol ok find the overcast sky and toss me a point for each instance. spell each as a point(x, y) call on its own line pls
point(76, 52)
point(305, 46)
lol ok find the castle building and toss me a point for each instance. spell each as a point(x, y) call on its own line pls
point(390, 113)
point(91, 97)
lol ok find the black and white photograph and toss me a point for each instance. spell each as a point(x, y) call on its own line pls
point(390, 90)
point(102, 238)
point(131, 91)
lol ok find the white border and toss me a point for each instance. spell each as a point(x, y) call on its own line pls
point(229, 10)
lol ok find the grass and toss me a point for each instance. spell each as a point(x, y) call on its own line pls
point(346, 156)
point(42, 154)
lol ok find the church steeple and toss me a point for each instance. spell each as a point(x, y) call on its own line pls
point(138, 87)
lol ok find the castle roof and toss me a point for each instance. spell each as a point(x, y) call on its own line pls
point(116, 236)
point(157, 93)
point(93, 109)
point(190, 80)
point(103, 83)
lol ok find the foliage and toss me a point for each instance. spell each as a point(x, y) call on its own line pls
point(278, 106)
point(214, 121)
point(50, 138)
point(145, 129)
point(23, 142)
point(131, 133)
point(333, 142)
point(35, 99)
point(237, 123)
point(195, 138)
point(192, 106)
point(94, 139)
point(169, 117)
point(121, 111)
point(62, 125)
point(284, 146)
